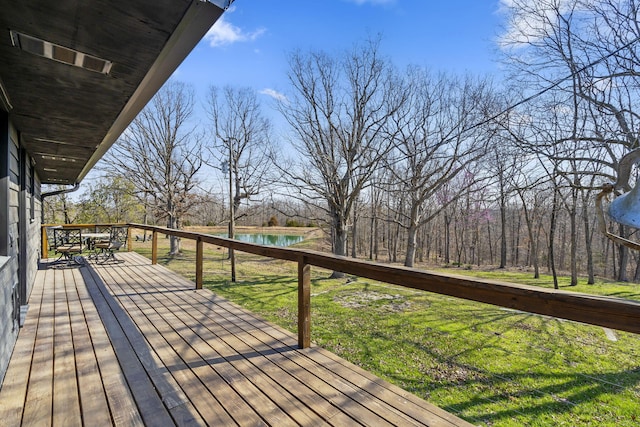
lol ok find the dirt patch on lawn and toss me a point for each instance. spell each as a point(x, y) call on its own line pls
point(372, 299)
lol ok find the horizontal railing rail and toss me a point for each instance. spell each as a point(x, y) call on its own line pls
point(609, 312)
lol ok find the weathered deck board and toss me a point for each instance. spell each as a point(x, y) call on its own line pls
point(311, 374)
point(134, 344)
point(14, 387)
point(39, 400)
point(66, 408)
point(226, 347)
point(90, 386)
point(118, 395)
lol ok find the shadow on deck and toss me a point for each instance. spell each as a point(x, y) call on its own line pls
point(135, 344)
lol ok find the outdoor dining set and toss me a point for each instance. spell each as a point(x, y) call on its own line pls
point(75, 246)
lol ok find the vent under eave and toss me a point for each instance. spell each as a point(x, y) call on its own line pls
point(59, 53)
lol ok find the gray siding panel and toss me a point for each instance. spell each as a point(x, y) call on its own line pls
point(8, 328)
point(9, 271)
point(33, 242)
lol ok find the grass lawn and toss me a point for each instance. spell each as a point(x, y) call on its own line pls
point(489, 365)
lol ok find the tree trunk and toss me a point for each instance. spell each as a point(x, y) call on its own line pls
point(588, 238)
point(489, 241)
point(623, 259)
point(410, 256)
point(354, 231)
point(375, 238)
point(552, 233)
point(174, 241)
point(447, 238)
point(412, 235)
point(636, 276)
point(503, 231)
point(172, 221)
point(516, 244)
point(535, 246)
point(339, 240)
point(65, 209)
point(574, 239)
point(372, 230)
point(396, 239)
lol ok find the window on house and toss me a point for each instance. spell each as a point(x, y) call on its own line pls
point(32, 192)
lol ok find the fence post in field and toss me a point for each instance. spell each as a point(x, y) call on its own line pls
point(304, 303)
point(154, 247)
point(199, 263)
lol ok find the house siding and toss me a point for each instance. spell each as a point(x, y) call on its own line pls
point(33, 228)
point(11, 262)
point(8, 328)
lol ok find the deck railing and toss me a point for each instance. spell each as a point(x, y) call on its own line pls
point(609, 312)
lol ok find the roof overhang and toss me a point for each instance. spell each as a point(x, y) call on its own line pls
point(68, 115)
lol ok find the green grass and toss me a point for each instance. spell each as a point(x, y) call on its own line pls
point(491, 366)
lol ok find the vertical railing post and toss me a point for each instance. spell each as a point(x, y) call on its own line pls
point(129, 244)
point(232, 260)
point(45, 243)
point(304, 303)
point(199, 263)
point(154, 247)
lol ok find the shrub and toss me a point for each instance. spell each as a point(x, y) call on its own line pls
point(273, 222)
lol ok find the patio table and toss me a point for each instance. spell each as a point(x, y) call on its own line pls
point(92, 238)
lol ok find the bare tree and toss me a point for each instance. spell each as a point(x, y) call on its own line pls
point(241, 139)
point(437, 141)
point(339, 113)
point(241, 145)
point(531, 188)
point(161, 154)
point(582, 55)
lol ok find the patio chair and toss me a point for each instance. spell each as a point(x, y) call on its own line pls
point(69, 244)
point(116, 241)
point(51, 241)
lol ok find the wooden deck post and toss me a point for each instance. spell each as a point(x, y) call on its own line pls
point(199, 263)
point(154, 247)
point(45, 243)
point(304, 303)
point(129, 245)
point(232, 260)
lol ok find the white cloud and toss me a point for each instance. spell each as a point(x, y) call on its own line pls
point(224, 32)
point(274, 94)
point(532, 20)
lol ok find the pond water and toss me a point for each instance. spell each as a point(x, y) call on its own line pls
point(268, 239)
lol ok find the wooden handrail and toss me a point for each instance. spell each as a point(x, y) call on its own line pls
point(609, 312)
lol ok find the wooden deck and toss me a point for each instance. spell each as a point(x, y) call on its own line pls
point(135, 344)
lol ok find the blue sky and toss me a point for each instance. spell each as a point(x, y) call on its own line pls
point(249, 44)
